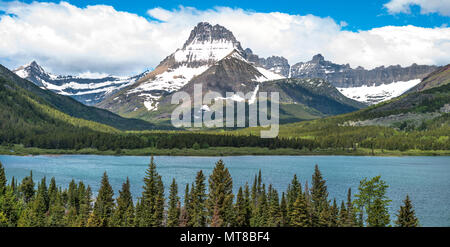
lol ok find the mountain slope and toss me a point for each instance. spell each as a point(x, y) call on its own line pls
point(70, 106)
point(438, 78)
point(88, 91)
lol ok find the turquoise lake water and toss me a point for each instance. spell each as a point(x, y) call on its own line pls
point(425, 179)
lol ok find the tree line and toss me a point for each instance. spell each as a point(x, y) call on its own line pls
point(259, 205)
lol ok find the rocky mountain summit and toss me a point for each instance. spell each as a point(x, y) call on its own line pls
point(343, 76)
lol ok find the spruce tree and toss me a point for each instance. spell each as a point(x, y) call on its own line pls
point(240, 209)
point(274, 208)
point(2, 180)
point(152, 201)
point(27, 188)
point(173, 213)
point(406, 216)
point(342, 216)
point(299, 214)
point(198, 200)
point(221, 194)
point(283, 211)
point(334, 210)
point(378, 215)
point(104, 205)
point(185, 211)
point(350, 220)
point(319, 196)
point(124, 202)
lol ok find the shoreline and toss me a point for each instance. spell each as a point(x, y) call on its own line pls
point(19, 150)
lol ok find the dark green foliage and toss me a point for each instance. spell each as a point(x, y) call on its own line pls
point(259, 207)
point(173, 213)
point(124, 211)
point(319, 199)
point(220, 194)
point(373, 201)
point(406, 216)
point(152, 201)
point(198, 201)
point(104, 204)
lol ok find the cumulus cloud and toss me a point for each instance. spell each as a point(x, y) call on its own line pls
point(426, 6)
point(100, 39)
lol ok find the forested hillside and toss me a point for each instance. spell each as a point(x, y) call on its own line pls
point(70, 106)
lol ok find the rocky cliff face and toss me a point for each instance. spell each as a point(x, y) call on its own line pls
point(344, 76)
point(276, 64)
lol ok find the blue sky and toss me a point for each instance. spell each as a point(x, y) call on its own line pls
point(128, 37)
point(359, 14)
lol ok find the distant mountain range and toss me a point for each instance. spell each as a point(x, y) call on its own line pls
point(88, 91)
point(214, 57)
point(51, 108)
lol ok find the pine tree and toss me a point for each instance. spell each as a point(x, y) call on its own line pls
point(319, 197)
point(124, 202)
point(342, 216)
point(173, 213)
point(261, 213)
point(221, 194)
point(152, 202)
point(378, 215)
point(350, 220)
point(334, 210)
point(293, 191)
point(185, 211)
point(274, 208)
point(2, 180)
point(240, 209)
point(104, 205)
point(406, 216)
point(85, 206)
point(299, 214)
point(198, 200)
point(283, 210)
point(27, 188)
point(43, 192)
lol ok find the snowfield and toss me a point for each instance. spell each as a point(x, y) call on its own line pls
point(376, 94)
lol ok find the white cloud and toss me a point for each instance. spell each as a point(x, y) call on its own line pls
point(99, 39)
point(426, 6)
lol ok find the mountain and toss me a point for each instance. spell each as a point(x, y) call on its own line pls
point(438, 78)
point(88, 91)
point(206, 45)
point(68, 106)
point(369, 86)
point(300, 99)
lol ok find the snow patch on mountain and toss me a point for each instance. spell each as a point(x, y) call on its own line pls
point(376, 94)
point(171, 80)
point(213, 50)
point(268, 75)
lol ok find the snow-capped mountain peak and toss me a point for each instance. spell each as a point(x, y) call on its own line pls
point(207, 44)
point(87, 88)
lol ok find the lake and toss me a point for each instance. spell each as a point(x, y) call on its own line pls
point(425, 179)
